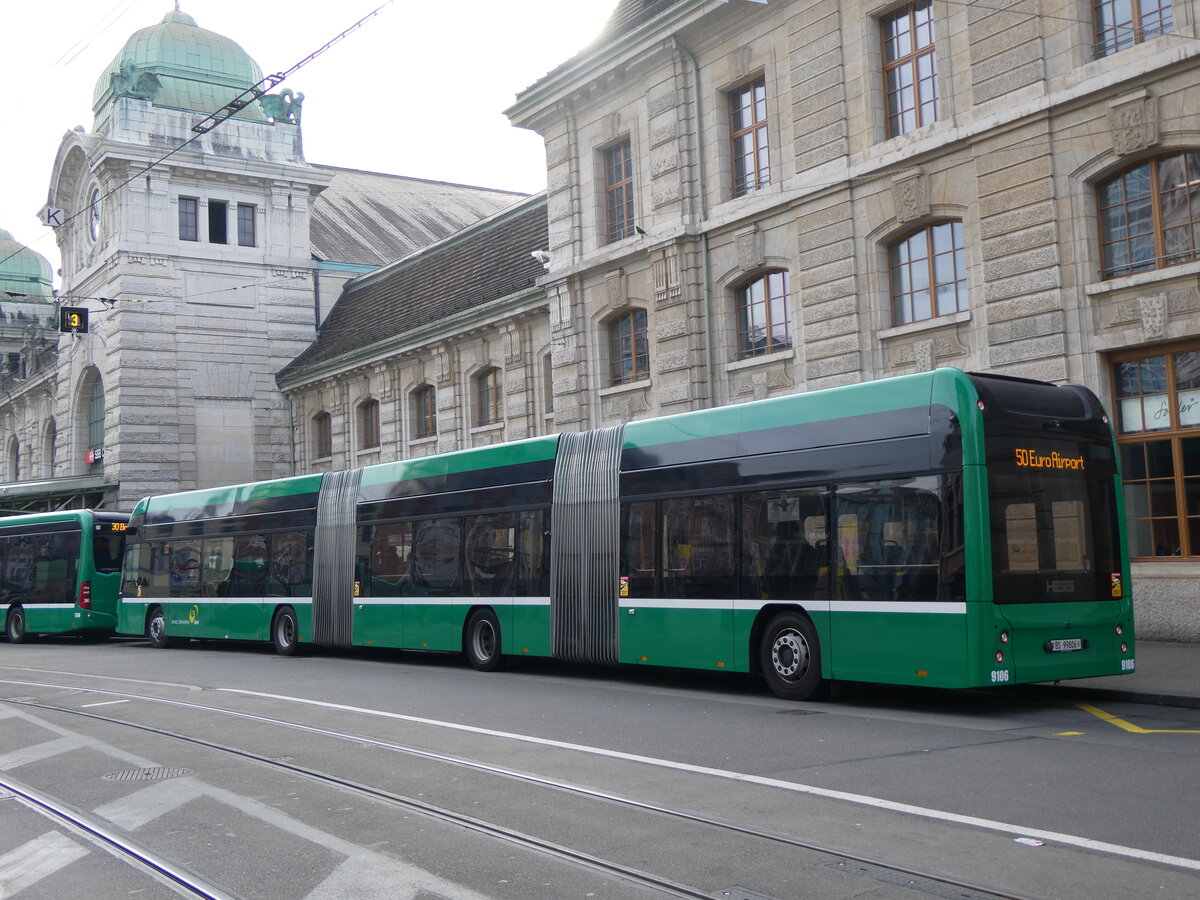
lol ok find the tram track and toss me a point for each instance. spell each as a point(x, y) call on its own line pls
point(117, 845)
point(882, 870)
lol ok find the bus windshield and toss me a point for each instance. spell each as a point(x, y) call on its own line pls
point(1053, 521)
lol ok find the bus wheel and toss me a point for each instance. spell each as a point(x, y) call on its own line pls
point(284, 631)
point(483, 641)
point(156, 629)
point(15, 627)
point(791, 657)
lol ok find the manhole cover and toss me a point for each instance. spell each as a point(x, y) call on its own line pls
point(157, 774)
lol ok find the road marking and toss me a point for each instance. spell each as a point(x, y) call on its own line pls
point(1129, 726)
point(34, 860)
point(36, 753)
point(104, 703)
point(793, 786)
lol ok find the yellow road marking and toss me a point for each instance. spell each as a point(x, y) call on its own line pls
point(1129, 726)
point(1067, 733)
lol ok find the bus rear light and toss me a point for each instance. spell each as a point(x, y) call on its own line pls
point(981, 405)
point(1120, 631)
point(999, 656)
point(1104, 418)
point(85, 595)
point(1124, 647)
point(1004, 637)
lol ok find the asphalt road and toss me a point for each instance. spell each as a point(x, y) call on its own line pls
point(222, 770)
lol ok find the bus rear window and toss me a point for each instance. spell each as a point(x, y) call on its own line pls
point(107, 549)
point(1054, 535)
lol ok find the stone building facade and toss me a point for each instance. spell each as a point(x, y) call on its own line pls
point(746, 200)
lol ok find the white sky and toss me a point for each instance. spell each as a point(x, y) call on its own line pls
point(419, 90)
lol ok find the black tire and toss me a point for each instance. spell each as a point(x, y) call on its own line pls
point(14, 627)
point(156, 628)
point(482, 644)
point(285, 632)
point(790, 655)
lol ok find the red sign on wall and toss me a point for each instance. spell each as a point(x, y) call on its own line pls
point(94, 456)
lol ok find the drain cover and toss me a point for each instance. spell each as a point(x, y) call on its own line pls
point(157, 774)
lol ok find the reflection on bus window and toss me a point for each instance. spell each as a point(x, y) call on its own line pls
point(888, 539)
point(490, 554)
point(435, 565)
point(698, 547)
point(784, 544)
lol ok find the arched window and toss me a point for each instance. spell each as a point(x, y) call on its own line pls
point(1122, 23)
point(929, 273)
point(14, 460)
point(50, 445)
point(322, 435)
point(424, 412)
point(368, 425)
point(488, 397)
point(628, 351)
point(1150, 215)
point(764, 319)
point(89, 422)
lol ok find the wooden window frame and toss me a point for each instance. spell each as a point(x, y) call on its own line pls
point(489, 406)
point(618, 191)
point(1141, 25)
point(322, 443)
point(957, 254)
point(916, 16)
point(756, 315)
point(1188, 545)
point(368, 425)
point(1157, 229)
point(628, 348)
point(247, 233)
point(424, 411)
point(751, 98)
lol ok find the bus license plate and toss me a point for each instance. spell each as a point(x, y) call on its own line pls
point(1065, 645)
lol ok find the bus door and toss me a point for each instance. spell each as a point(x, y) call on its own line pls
point(892, 613)
point(678, 582)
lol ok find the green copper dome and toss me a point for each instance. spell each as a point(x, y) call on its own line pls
point(178, 65)
point(25, 273)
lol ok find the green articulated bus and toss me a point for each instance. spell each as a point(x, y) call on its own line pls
point(60, 572)
point(942, 529)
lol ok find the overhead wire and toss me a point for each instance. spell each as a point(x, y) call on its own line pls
point(238, 102)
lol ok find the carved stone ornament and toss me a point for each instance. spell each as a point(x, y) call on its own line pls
point(740, 61)
point(1134, 125)
point(610, 127)
point(615, 290)
point(750, 246)
point(924, 355)
point(1154, 315)
point(910, 196)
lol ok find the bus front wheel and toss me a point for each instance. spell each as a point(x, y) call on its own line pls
point(483, 641)
point(791, 656)
point(285, 632)
point(156, 629)
point(15, 626)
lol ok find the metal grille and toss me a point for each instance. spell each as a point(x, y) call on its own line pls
point(585, 554)
point(333, 586)
point(155, 774)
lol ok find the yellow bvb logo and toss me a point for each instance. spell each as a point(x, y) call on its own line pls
point(193, 615)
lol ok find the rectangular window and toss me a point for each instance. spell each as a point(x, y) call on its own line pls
point(618, 191)
point(189, 229)
point(488, 398)
point(910, 68)
point(245, 220)
point(218, 222)
point(748, 135)
point(1122, 23)
point(1157, 399)
point(424, 412)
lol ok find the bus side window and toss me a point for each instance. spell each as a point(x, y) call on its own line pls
point(186, 560)
point(698, 547)
point(888, 537)
point(638, 525)
point(291, 564)
point(437, 557)
point(533, 560)
point(491, 550)
point(783, 535)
